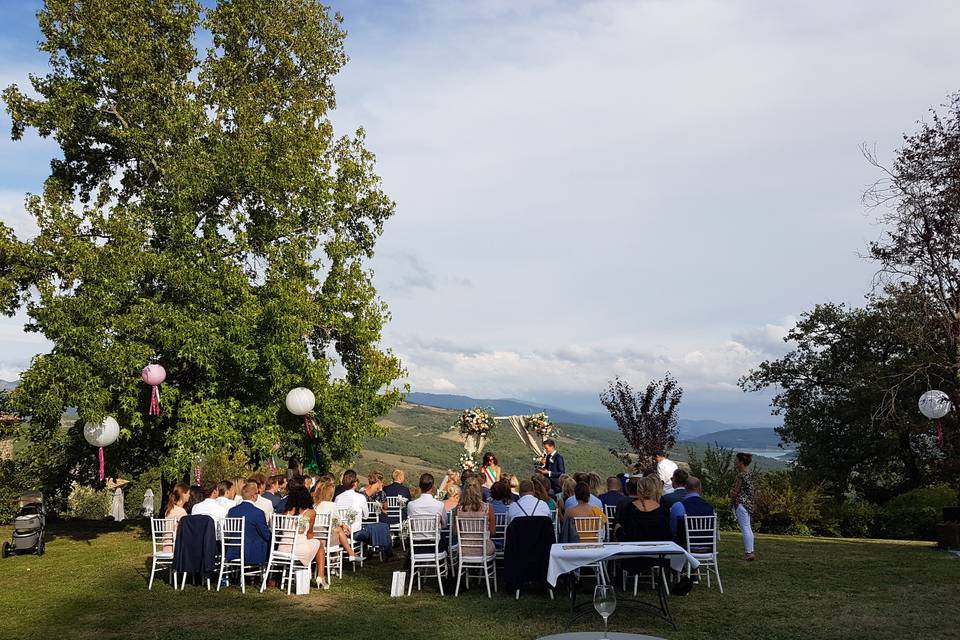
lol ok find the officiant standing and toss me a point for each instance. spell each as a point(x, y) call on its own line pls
point(553, 465)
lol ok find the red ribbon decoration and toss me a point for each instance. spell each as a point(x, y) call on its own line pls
point(308, 423)
point(198, 473)
point(155, 401)
point(939, 435)
point(101, 464)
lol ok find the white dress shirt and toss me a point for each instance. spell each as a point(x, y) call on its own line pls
point(665, 469)
point(226, 503)
point(351, 499)
point(427, 505)
point(209, 507)
point(266, 506)
point(528, 505)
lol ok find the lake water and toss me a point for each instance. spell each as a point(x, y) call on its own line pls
point(771, 453)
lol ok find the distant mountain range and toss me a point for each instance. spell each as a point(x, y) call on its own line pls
point(705, 431)
point(7, 386)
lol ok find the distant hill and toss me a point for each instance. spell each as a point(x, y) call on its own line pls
point(742, 439)
point(8, 386)
point(419, 439)
point(689, 429)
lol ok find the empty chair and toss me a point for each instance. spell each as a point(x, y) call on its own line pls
point(425, 552)
point(163, 533)
point(527, 553)
point(499, 538)
point(610, 510)
point(592, 529)
point(701, 534)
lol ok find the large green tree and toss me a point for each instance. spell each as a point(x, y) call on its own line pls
point(848, 395)
point(202, 215)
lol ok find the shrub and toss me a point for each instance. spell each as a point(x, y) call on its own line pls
point(782, 504)
point(88, 504)
point(915, 514)
point(858, 519)
point(716, 470)
point(721, 504)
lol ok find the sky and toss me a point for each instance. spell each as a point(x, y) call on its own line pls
point(592, 189)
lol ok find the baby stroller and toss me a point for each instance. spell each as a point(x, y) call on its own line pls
point(28, 529)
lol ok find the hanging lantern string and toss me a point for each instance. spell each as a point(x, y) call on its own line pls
point(155, 400)
point(197, 473)
point(939, 434)
point(102, 467)
point(308, 423)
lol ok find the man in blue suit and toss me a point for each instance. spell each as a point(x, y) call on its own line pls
point(691, 505)
point(256, 533)
point(554, 466)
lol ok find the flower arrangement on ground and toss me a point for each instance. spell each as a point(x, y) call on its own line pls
point(468, 461)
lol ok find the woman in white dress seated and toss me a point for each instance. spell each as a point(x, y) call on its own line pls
point(323, 503)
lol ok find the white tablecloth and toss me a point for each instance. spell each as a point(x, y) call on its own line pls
point(565, 558)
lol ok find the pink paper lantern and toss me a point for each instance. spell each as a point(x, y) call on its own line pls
point(154, 375)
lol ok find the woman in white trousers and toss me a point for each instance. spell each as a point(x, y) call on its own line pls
point(742, 500)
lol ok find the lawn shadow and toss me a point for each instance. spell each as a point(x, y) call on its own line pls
point(89, 530)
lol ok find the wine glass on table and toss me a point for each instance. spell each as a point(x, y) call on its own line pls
point(605, 602)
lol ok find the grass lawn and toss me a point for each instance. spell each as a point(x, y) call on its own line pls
point(92, 584)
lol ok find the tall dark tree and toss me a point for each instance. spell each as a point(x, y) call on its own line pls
point(918, 202)
point(848, 395)
point(203, 215)
point(647, 420)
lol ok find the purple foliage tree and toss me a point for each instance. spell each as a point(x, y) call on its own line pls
point(647, 420)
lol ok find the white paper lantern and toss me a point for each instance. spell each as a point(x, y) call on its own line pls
point(300, 401)
point(102, 434)
point(935, 404)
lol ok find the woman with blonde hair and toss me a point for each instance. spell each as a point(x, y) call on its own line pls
point(453, 497)
point(323, 504)
point(452, 477)
point(474, 508)
point(642, 519)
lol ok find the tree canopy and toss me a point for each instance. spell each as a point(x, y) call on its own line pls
point(202, 215)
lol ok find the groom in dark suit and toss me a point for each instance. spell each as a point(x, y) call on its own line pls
point(554, 466)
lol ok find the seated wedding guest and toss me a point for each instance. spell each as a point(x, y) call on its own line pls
point(397, 487)
point(679, 481)
point(196, 497)
point(427, 504)
point(452, 499)
point(596, 483)
point(256, 531)
point(583, 509)
point(642, 519)
point(374, 488)
point(470, 476)
point(452, 477)
point(323, 504)
point(614, 495)
point(376, 534)
point(566, 493)
point(528, 504)
point(227, 494)
point(692, 505)
point(343, 483)
point(210, 506)
point(261, 502)
point(237, 489)
point(571, 500)
point(474, 508)
point(514, 486)
point(176, 506)
point(272, 491)
point(541, 489)
point(500, 497)
point(307, 548)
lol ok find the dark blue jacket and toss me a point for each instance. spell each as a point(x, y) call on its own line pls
point(256, 534)
point(669, 499)
point(557, 468)
point(275, 499)
point(612, 498)
point(395, 489)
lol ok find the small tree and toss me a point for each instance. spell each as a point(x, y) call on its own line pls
point(648, 420)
